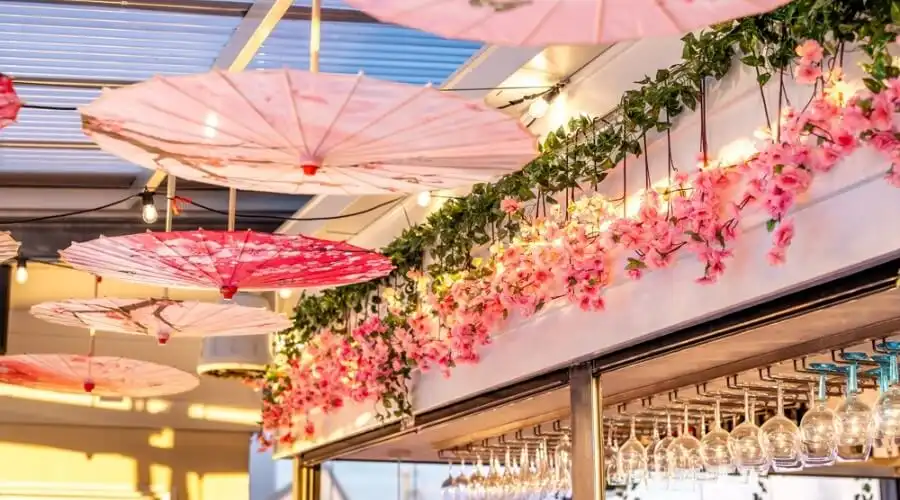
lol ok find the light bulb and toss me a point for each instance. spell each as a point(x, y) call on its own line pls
point(21, 272)
point(538, 108)
point(285, 293)
point(148, 209)
point(424, 198)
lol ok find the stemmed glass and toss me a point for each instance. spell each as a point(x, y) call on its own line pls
point(684, 453)
point(661, 466)
point(564, 467)
point(818, 429)
point(886, 413)
point(714, 449)
point(854, 418)
point(449, 488)
point(632, 458)
point(781, 436)
point(745, 441)
point(614, 475)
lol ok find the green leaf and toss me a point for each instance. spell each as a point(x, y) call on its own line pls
point(771, 224)
point(763, 78)
point(635, 264)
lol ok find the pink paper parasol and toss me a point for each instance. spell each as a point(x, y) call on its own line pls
point(100, 375)
point(162, 318)
point(10, 104)
point(9, 248)
point(560, 22)
point(297, 132)
point(227, 260)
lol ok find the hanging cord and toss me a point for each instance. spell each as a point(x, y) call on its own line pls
point(704, 145)
point(624, 163)
point(671, 164)
point(647, 184)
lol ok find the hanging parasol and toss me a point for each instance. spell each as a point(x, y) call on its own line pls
point(537, 23)
point(227, 260)
point(301, 132)
point(100, 375)
point(9, 248)
point(10, 104)
point(162, 318)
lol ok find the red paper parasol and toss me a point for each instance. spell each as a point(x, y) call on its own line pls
point(162, 318)
point(100, 375)
point(538, 23)
point(227, 260)
point(307, 133)
point(9, 248)
point(10, 104)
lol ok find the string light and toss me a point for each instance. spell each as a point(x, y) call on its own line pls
point(285, 293)
point(148, 209)
point(424, 199)
point(539, 108)
point(21, 271)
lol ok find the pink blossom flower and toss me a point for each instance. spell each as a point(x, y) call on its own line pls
point(807, 74)
point(510, 205)
point(810, 52)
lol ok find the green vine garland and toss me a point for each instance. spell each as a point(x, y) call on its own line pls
point(582, 154)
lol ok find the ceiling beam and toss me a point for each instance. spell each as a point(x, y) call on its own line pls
point(48, 145)
point(213, 8)
point(75, 83)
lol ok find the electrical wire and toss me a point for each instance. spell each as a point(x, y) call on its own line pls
point(68, 214)
point(241, 215)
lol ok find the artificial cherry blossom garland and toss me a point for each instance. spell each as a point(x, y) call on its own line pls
point(572, 254)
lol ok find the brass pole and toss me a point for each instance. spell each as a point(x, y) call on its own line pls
point(315, 35)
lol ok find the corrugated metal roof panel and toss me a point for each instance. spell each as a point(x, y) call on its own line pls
point(49, 125)
point(82, 41)
point(63, 161)
point(380, 50)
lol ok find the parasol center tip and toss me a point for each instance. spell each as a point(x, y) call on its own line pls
point(228, 292)
point(162, 338)
point(89, 385)
point(310, 169)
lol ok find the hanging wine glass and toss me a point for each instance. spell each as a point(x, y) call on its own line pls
point(564, 467)
point(684, 453)
point(462, 482)
point(854, 418)
point(614, 476)
point(449, 487)
point(747, 449)
point(781, 437)
point(661, 467)
point(492, 482)
point(633, 457)
point(651, 448)
point(886, 413)
point(818, 429)
point(714, 449)
point(476, 480)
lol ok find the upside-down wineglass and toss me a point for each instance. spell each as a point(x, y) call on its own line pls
point(661, 467)
point(781, 437)
point(747, 448)
point(633, 457)
point(886, 412)
point(684, 453)
point(854, 418)
point(818, 429)
point(714, 449)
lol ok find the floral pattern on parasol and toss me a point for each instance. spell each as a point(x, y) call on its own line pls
point(297, 132)
point(10, 104)
point(100, 375)
point(162, 318)
point(537, 23)
point(227, 260)
point(9, 248)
